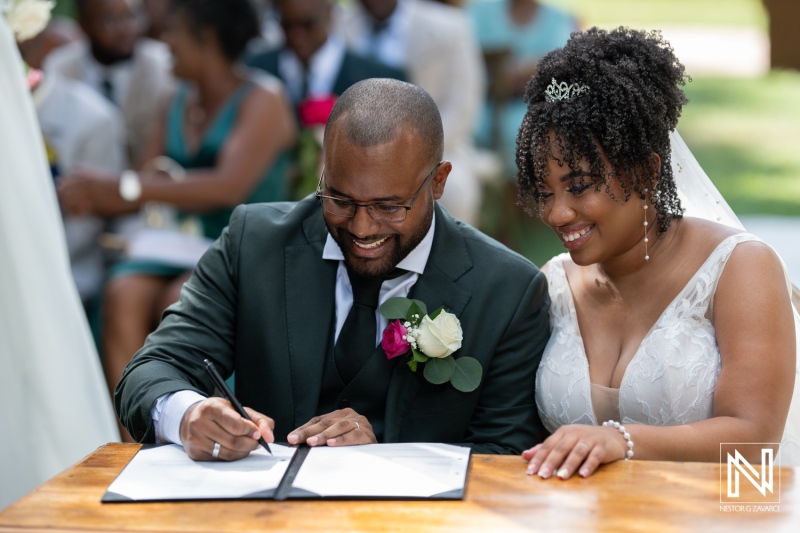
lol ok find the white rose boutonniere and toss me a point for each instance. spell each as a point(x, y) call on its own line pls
point(429, 340)
point(27, 18)
point(441, 336)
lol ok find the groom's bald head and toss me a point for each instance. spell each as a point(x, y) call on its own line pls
point(374, 111)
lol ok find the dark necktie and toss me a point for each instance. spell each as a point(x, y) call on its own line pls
point(304, 82)
point(378, 27)
point(356, 341)
point(108, 89)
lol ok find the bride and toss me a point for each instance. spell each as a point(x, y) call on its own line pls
point(676, 332)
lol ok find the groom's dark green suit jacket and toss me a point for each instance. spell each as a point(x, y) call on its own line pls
point(261, 303)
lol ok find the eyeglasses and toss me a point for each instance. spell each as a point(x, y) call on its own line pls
point(379, 212)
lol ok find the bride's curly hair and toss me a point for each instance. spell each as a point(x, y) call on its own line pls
point(633, 101)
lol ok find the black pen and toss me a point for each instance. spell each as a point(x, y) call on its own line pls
point(223, 388)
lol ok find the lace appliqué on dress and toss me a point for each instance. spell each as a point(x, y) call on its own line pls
point(671, 378)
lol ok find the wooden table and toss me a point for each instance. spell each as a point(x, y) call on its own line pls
point(624, 496)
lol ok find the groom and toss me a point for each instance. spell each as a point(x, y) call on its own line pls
point(289, 292)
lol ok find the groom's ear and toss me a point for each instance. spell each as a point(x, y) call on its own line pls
point(440, 179)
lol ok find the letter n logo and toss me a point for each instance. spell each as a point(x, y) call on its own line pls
point(758, 485)
point(738, 465)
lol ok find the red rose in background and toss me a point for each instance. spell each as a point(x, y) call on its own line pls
point(315, 111)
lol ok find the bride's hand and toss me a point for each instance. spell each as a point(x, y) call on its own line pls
point(575, 448)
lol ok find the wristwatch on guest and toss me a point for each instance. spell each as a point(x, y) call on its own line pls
point(130, 187)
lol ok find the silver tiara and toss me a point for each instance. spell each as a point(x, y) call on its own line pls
point(561, 91)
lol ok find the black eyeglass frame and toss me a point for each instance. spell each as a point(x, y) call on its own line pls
point(370, 206)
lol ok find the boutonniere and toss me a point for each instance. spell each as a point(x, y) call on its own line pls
point(429, 340)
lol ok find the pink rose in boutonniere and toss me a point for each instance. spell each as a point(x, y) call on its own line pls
point(394, 341)
point(429, 340)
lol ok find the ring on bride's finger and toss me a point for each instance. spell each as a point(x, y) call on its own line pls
point(215, 453)
point(358, 426)
point(584, 445)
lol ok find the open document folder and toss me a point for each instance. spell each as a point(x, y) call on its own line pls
point(373, 471)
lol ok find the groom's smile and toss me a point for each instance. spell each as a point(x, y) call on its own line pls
point(392, 179)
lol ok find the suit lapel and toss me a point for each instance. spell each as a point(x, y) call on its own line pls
point(436, 287)
point(310, 289)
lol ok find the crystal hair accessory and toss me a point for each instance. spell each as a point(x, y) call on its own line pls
point(556, 92)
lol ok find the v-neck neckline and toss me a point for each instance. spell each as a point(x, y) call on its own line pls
point(574, 317)
point(203, 136)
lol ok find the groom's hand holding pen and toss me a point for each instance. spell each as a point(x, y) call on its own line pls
point(216, 429)
point(223, 388)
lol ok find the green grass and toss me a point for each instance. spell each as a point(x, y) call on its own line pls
point(746, 135)
point(653, 14)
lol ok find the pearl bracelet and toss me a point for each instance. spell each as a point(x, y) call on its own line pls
point(625, 435)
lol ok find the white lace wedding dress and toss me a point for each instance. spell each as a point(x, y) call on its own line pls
point(671, 378)
point(55, 406)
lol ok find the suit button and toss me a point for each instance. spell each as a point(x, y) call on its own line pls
point(344, 403)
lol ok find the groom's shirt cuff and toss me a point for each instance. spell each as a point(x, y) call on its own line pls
point(168, 412)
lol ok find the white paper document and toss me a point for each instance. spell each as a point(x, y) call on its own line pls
point(384, 470)
point(373, 471)
point(168, 247)
point(167, 473)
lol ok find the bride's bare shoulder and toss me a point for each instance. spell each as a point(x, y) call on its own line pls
point(702, 233)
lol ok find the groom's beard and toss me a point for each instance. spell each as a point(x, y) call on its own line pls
point(399, 248)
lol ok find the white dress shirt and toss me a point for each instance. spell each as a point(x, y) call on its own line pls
point(118, 74)
point(323, 69)
point(169, 409)
point(390, 45)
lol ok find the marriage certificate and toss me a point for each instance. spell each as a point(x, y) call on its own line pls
point(372, 471)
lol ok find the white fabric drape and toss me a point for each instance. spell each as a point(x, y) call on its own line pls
point(54, 405)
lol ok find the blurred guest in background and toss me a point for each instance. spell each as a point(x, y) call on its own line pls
point(130, 71)
point(514, 35)
point(317, 67)
point(80, 129)
point(436, 45)
point(229, 127)
point(314, 61)
point(156, 11)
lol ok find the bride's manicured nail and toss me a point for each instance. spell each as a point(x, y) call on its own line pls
point(583, 472)
point(563, 473)
point(544, 473)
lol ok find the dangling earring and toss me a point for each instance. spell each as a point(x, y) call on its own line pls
point(646, 240)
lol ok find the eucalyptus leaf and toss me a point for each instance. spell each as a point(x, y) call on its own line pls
point(395, 308)
point(438, 371)
point(436, 313)
point(419, 356)
point(412, 365)
point(417, 308)
point(467, 372)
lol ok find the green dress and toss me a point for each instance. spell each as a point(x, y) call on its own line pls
point(273, 186)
